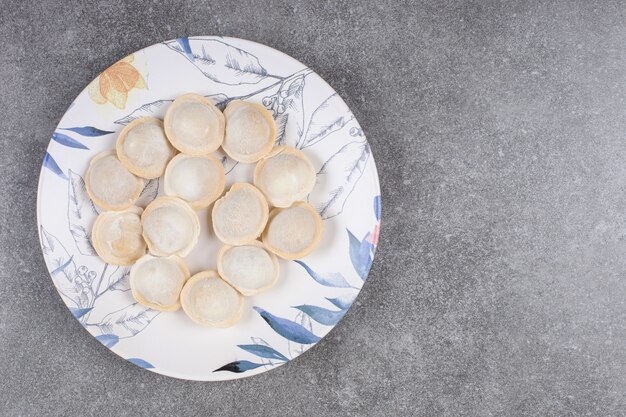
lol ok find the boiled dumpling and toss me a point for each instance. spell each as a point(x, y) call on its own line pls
point(285, 175)
point(109, 184)
point(240, 216)
point(293, 232)
point(170, 227)
point(194, 125)
point(143, 148)
point(157, 282)
point(198, 180)
point(210, 301)
point(250, 131)
point(116, 236)
point(250, 268)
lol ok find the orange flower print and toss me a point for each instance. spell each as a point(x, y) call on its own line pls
point(114, 83)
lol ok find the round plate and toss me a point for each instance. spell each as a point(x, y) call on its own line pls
point(312, 294)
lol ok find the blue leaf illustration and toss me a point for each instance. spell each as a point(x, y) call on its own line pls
point(184, 44)
point(377, 207)
point(108, 340)
point(79, 312)
point(87, 131)
point(264, 352)
point(140, 362)
point(338, 177)
point(81, 214)
point(343, 302)
point(239, 366)
point(287, 328)
point(128, 321)
point(322, 315)
point(360, 254)
point(117, 280)
point(50, 163)
point(221, 62)
point(331, 279)
point(67, 141)
point(325, 120)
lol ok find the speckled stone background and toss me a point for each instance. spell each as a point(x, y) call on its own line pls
point(499, 130)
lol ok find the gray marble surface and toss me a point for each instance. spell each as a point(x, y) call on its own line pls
point(498, 129)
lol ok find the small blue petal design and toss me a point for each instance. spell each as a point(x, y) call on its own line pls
point(140, 362)
point(50, 163)
point(67, 141)
point(108, 340)
point(184, 44)
point(343, 303)
point(239, 366)
point(79, 312)
point(287, 328)
point(322, 315)
point(333, 279)
point(264, 352)
point(87, 131)
point(377, 207)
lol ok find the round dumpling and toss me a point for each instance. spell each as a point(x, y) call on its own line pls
point(209, 300)
point(117, 237)
point(194, 125)
point(240, 216)
point(250, 131)
point(250, 268)
point(170, 227)
point(293, 232)
point(198, 180)
point(143, 148)
point(286, 175)
point(157, 282)
point(109, 184)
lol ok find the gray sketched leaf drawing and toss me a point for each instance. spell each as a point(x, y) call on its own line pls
point(296, 349)
point(325, 120)
point(159, 107)
point(219, 61)
point(117, 279)
point(337, 178)
point(63, 271)
point(81, 214)
point(128, 321)
point(149, 193)
point(287, 108)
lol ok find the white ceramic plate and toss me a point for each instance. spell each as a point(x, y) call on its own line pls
point(312, 295)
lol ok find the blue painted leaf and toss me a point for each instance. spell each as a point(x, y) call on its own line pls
point(79, 312)
point(264, 352)
point(87, 131)
point(337, 178)
point(108, 340)
point(287, 328)
point(221, 62)
point(322, 315)
point(184, 44)
point(377, 207)
point(239, 366)
point(50, 163)
point(331, 279)
point(140, 362)
point(67, 141)
point(360, 254)
point(343, 302)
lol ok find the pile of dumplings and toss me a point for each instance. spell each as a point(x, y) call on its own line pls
point(155, 240)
